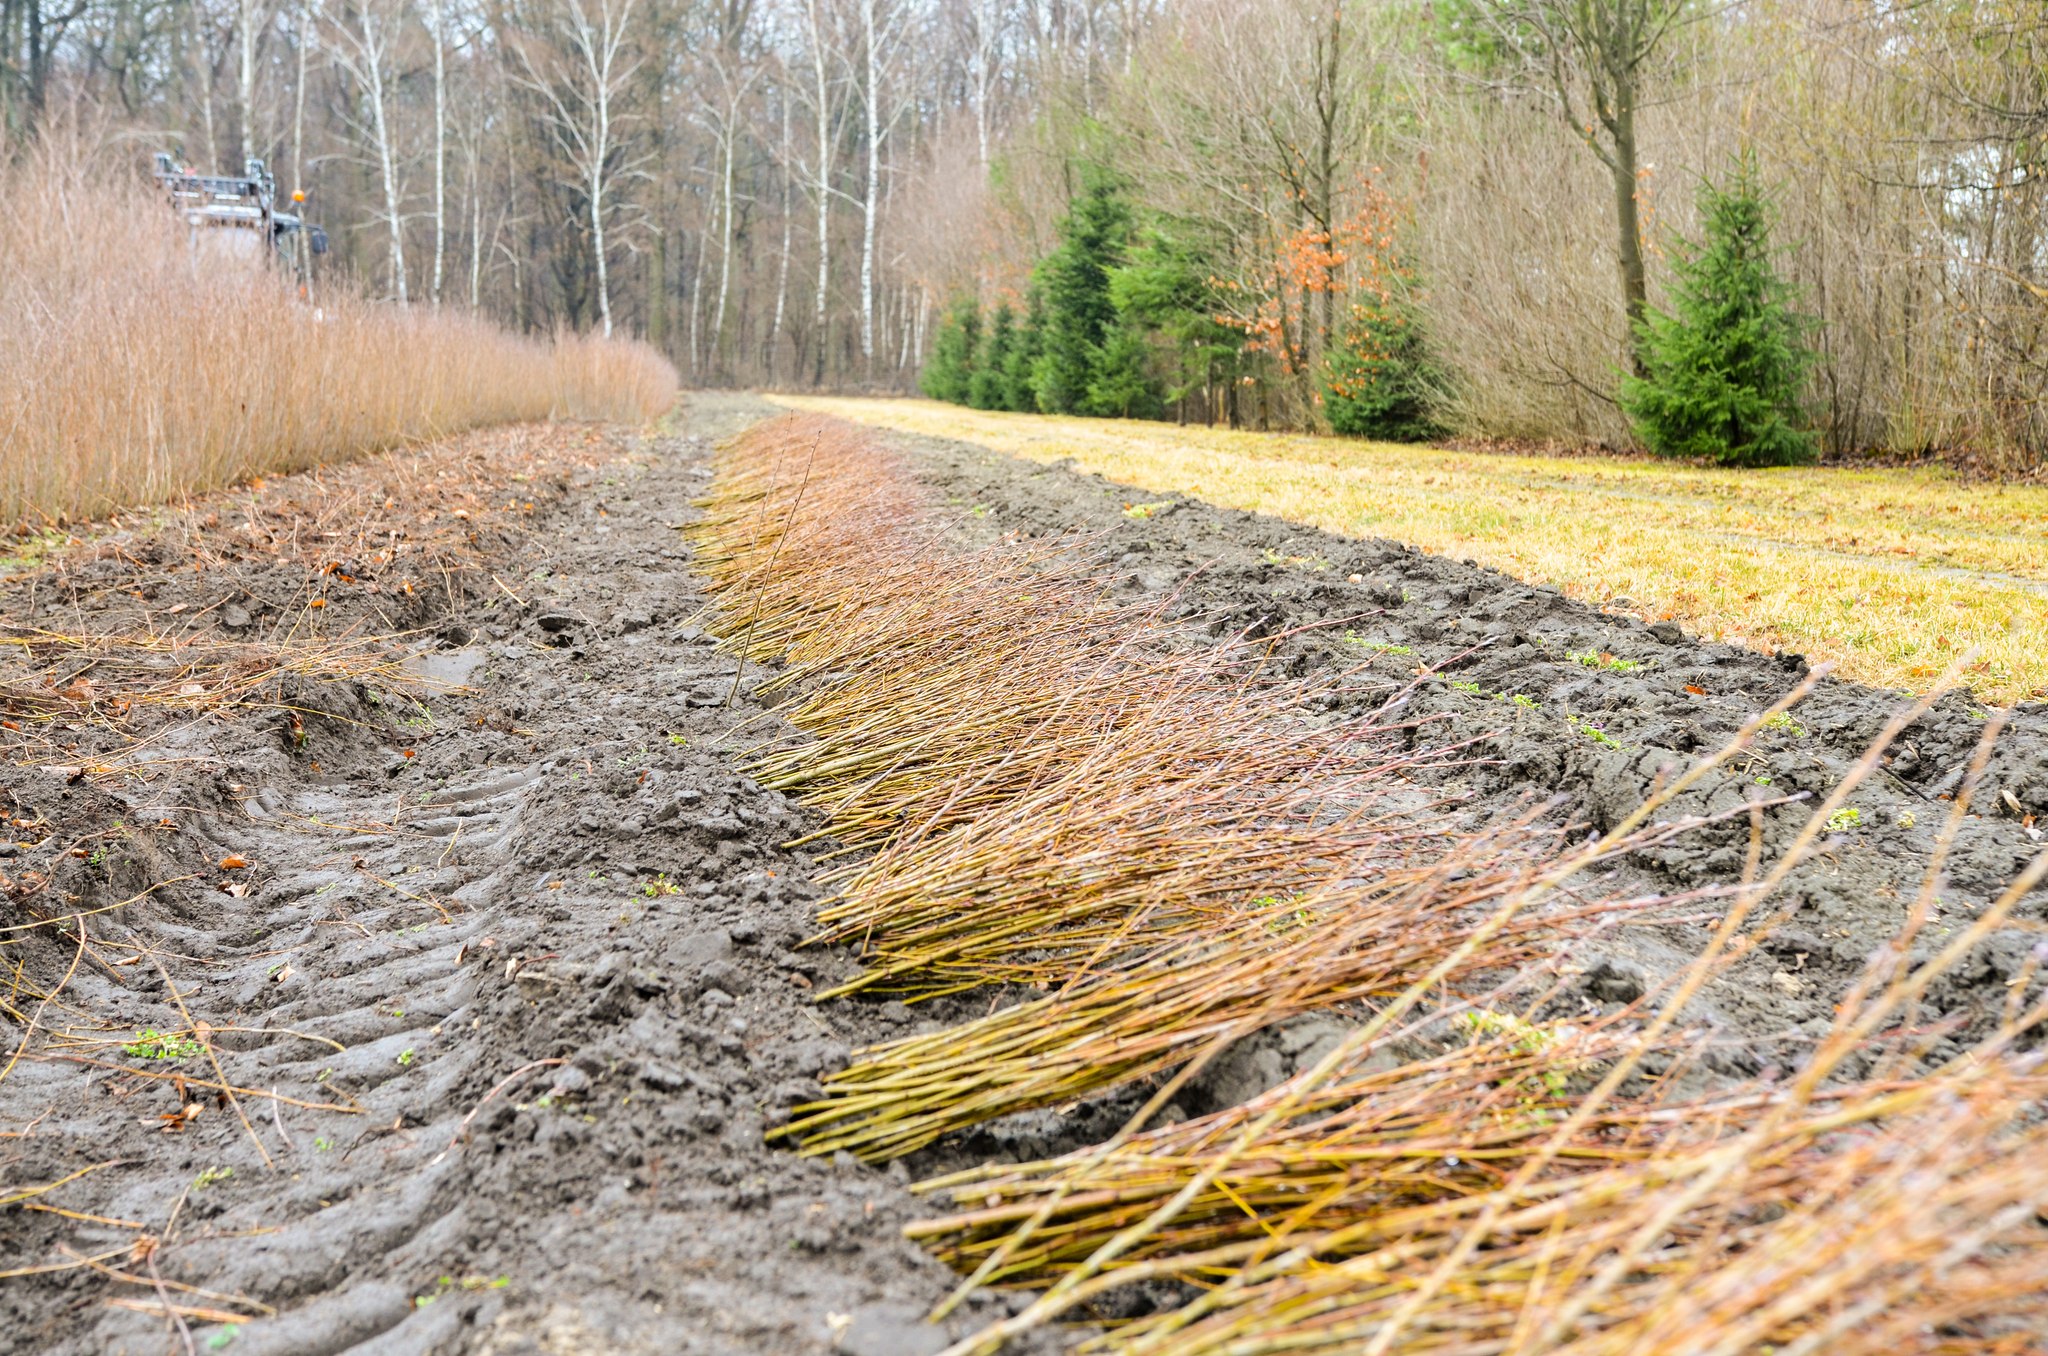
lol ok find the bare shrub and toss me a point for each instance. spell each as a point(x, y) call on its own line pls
point(134, 369)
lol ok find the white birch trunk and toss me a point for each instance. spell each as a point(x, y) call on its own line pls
point(782, 270)
point(437, 17)
point(873, 106)
point(387, 160)
point(724, 247)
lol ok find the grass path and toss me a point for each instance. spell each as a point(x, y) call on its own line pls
point(1891, 574)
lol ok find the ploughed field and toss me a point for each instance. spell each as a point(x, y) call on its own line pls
point(1092, 915)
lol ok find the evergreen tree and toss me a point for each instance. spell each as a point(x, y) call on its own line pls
point(1379, 379)
point(1020, 385)
point(1078, 310)
point(1166, 288)
point(1724, 366)
point(949, 373)
point(1122, 386)
point(987, 389)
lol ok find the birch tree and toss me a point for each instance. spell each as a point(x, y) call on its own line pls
point(437, 33)
point(819, 92)
point(722, 117)
point(581, 90)
point(881, 26)
point(251, 19)
point(363, 50)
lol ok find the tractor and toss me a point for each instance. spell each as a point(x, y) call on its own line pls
point(235, 216)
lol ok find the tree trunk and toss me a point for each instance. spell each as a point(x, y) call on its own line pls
point(696, 300)
point(373, 52)
point(305, 38)
point(1628, 221)
point(718, 349)
point(437, 16)
point(869, 203)
point(245, 85)
point(782, 268)
point(657, 289)
point(1327, 121)
point(476, 231)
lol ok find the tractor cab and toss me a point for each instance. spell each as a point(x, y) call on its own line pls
point(235, 216)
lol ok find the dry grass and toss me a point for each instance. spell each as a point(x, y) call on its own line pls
point(132, 372)
point(1891, 574)
point(1009, 742)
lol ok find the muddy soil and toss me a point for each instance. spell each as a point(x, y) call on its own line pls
point(506, 984)
point(1554, 698)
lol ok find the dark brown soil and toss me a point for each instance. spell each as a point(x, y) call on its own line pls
point(560, 864)
point(563, 863)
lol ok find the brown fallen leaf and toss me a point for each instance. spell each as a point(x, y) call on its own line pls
point(1695, 689)
point(174, 1121)
point(233, 863)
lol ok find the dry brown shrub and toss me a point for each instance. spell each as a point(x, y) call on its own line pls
point(134, 369)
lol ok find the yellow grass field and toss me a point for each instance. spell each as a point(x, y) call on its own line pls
point(1892, 575)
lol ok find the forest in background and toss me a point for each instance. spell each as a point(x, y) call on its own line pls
point(795, 192)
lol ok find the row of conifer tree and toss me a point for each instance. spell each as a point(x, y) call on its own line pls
point(1121, 320)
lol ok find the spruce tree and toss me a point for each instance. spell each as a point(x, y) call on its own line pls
point(1723, 367)
point(1020, 383)
point(1078, 310)
point(1167, 287)
point(1122, 387)
point(986, 389)
point(1379, 379)
point(949, 373)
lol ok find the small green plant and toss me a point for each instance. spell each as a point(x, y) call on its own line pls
point(1594, 732)
point(1906, 819)
point(1522, 699)
point(1845, 819)
point(1782, 720)
point(1600, 659)
point(678, 740)
point(1377, 646)
point(211, 1177)
point(659, 886)
point(1295, 915)
point(1763, 779)
point(405, 1058)
point(223, 1337)
point(1472, 688)
point(152, 1044)
point(1142, 511)
point(472, 1283)
point(1527, 1037)
point(1295, 562)
point(979, 511)
point(322, 1144)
